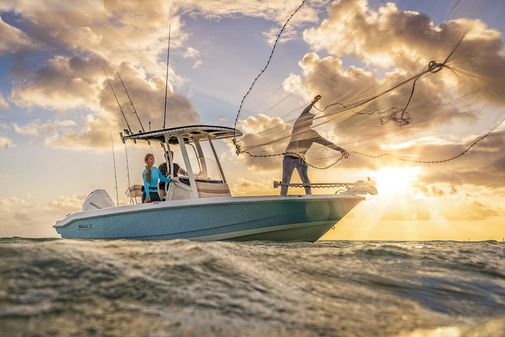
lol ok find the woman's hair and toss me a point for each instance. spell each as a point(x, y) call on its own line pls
point(148, 169)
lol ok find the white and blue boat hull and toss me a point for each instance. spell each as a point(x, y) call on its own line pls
point(294, 218)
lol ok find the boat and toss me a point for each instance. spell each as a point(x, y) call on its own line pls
point(199, 206)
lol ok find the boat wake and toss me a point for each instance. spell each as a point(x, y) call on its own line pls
point(183, 288)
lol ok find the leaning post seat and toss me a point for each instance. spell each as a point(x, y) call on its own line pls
point(207, 188)
point(212, 188)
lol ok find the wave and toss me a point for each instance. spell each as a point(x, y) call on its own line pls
point(185, 288)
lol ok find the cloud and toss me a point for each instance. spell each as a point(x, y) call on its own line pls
point(342, 86)
point(436, 190)
point(197, 64)
point(3, 103)
point(36, 127)
point(119, 31)
point(6, 143)
point(245, 186)
point(21, 217)
point(140, 27)
point(416, 211)
point(72, 78)
point(276, 10)
point(65, 205)
point(192, 53)
point(481, 166)
point(13, 39)
point(258, 132)
point(147, 95)
point(408, 40)
point(81, 41)
point(448, 110)
point(71, 83)
point(467, 211)
point(289, 34)
point(64, 83)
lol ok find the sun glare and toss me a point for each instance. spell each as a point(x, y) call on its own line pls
point(395, 180)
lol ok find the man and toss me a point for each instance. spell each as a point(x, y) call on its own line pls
point(302, 138)
point(165, 170)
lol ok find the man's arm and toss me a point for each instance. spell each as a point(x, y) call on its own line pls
point(162, 177)
point(309, 107)
point(163, 169)
point(320, 140)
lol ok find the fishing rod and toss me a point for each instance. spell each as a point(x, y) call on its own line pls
point(128, 172)
point(115, 171)
point(117, 101)
point(131, 102)
point(166, 79)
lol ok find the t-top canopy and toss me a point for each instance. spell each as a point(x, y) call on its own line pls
point(188, 133)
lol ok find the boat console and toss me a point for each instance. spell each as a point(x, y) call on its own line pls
point(205, 177)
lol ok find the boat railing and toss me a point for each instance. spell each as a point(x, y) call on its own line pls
point(359, 187)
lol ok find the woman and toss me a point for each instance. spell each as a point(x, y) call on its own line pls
point(151, 176)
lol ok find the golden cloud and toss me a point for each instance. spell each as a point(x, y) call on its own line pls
point(64, 83)
point(47, 128)
point(21, 217)
point(70, 83)
point(13, 39)
point(415, 212)
point(449, 109)
point(258, 133)
point(6, 143)
point(474, 210)
point(127, 35)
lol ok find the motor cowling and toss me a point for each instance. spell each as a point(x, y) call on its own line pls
point(98, 199)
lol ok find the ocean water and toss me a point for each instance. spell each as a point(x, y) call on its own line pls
point(53, 287)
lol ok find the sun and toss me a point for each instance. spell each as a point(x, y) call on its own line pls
point(396, 180)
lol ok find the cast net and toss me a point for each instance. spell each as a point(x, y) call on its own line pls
point(393, 84)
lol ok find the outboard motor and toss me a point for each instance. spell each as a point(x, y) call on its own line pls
point(97, 199)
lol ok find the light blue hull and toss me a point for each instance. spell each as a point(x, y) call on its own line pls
point(255, 218)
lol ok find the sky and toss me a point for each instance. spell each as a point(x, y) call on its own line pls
point(59, 119)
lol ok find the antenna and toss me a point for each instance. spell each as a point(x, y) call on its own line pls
point(115, 173)
point(117, 100)
point(166, 79)
point(131, 102)
point(128, 172)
